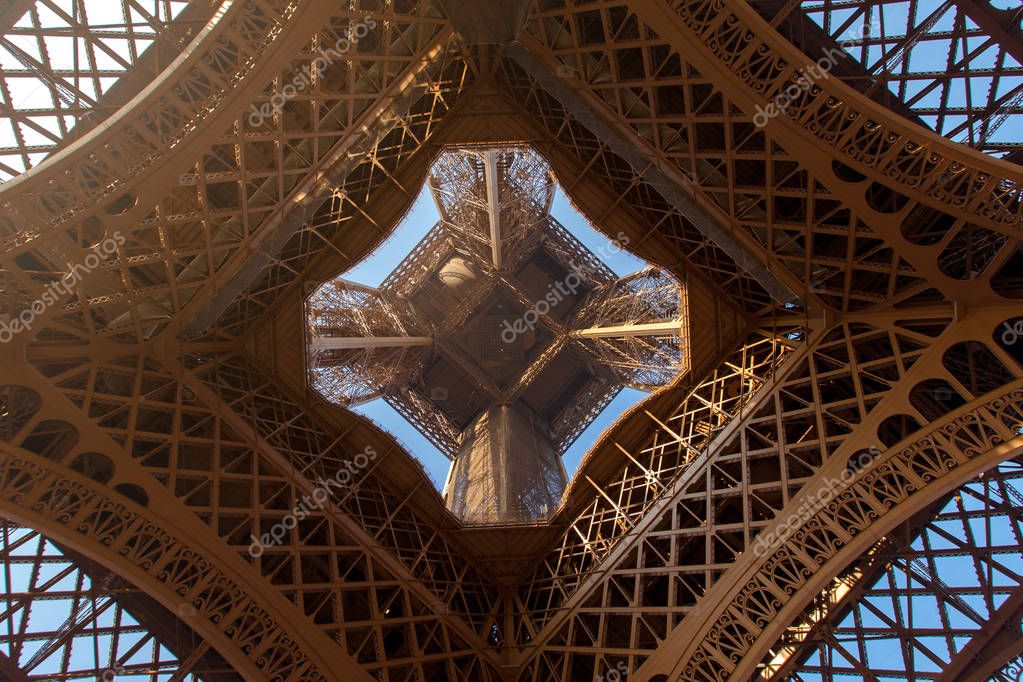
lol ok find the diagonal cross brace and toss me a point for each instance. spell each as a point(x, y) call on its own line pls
point(351, 152)
point(647, 170)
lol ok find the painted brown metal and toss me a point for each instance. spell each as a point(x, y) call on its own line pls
point(114, 430)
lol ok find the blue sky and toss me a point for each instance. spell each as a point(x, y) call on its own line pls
point(91, 649)
point(929, 56)
point(372, 271)
point(1002, 565)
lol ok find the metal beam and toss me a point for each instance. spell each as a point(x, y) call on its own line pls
point(310, 195)
point(1000, 630)
point(367, 542)
point(14, 11)
point(493, 205)
point(186, 666)
point(487, 22)
point(630, 330)
point(9, 670)
point(666, 181)
point(1001, 24)
point(355, 342)
point(217, 572)
point(675, 651)
point(593, 580)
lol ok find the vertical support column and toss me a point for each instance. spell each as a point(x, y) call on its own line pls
point(493, 205)
point(508, 471)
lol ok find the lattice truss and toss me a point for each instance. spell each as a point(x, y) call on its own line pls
point(367, 605)
point(345, 310)
point(523, 188)
point(850, 264)
point(939, 606)
point(644, 298)
point(66, 65)
point(955, 67)
point(235, 180)
point(356, 375)
point(663, 563)
point(578, 414)
point(65, 618)
point(862, 352)
point(845, 232)
point(909, 243)
point(460, 187)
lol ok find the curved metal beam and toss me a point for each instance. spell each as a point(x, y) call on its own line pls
point(162, 547)
point(114, 173)
point(307, 198)
point(744, 615)
point(734, 45)
point(240, 620)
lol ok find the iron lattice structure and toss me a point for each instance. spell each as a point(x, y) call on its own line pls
point(921, 595)
point(495, 313)
point(643, 361)
point(852, 265)
point(67, 618)
point(343, 309)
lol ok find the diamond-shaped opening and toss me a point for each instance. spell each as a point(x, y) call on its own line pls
point(496, 333)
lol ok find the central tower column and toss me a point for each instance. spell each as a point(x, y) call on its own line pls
point(507, 471)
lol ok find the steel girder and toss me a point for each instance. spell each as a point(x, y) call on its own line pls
point(756, 65)
point(842, 512)
point(669, 185)
point(64, 474)
point(316, 188)
point(56, 90)
point(952, 66)
point(944, 591)
point(66, 617)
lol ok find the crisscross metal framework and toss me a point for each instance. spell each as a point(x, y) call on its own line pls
point(155, 420)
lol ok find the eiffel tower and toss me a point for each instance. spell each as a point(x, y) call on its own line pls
point(824, 482)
